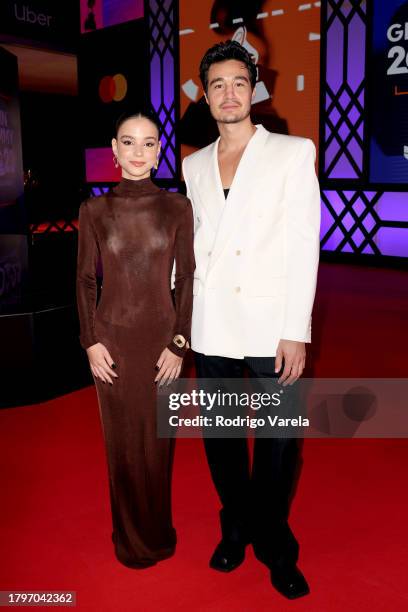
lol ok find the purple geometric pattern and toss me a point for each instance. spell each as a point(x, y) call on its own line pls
point(355, 218)
point(344, 89)
point(163, 30)
point(350, 221)
point(365, 221)
point(97, 191)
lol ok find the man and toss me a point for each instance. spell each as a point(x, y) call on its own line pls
point(257, 212)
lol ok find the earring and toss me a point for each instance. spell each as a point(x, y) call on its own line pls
point(156, 165)
point(115, 161)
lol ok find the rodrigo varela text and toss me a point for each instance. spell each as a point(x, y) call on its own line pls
point(238, 421)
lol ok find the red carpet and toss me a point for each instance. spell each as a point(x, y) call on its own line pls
point(349, 512)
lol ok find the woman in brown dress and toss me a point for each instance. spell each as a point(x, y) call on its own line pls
point(135, 338)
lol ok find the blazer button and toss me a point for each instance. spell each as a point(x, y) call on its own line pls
point(237, 289)
point(209, 253)
point(238, 252)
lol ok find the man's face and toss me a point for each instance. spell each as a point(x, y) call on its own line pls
point(229, 92)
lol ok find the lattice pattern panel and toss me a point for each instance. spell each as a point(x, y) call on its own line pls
point(52, 227)
point(344, 89)
point(365, 222)
point(355, 218)
point(100, 190)
point(163, 29)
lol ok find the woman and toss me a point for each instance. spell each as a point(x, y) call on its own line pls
point(135, 339)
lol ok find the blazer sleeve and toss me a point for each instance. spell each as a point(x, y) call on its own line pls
point(86, 286)
point(302, 196)
point(184, 276)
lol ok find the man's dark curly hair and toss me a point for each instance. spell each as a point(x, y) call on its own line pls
point(230, 49)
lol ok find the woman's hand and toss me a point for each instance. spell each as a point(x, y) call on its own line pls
point(101, 363)
point(169, 366)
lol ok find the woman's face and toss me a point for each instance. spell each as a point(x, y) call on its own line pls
point(136, 147)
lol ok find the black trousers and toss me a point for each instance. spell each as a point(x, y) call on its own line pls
point(255, 503)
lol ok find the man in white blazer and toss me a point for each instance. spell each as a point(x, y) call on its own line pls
point(256, 206)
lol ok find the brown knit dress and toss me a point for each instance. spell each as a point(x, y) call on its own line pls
point(137, 230)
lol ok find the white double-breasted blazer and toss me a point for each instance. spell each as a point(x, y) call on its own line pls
point(257, 251)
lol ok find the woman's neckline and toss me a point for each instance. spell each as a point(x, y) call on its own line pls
point(131, 186)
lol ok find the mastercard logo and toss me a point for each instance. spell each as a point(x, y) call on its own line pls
point(112, 88)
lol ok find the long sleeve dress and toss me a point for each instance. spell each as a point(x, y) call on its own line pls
point(138, 230)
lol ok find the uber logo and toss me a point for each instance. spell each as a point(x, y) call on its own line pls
point(24, 13)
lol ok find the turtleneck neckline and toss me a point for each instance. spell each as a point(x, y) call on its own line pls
point(134, 187)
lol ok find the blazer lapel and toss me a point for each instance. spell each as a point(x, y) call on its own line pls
point(251, 166)
point(210, 188)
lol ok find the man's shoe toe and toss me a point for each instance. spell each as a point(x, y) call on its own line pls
point(227, 557)
point(289, 581)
